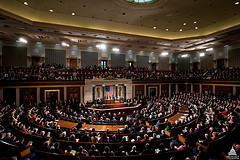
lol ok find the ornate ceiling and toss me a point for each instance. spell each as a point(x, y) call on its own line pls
point(164, 25)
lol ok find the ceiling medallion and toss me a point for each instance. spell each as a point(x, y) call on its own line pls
point(140, 4)
point(141, 1)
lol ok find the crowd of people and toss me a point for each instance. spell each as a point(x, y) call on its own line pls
point(58, 72)
point(41, 119)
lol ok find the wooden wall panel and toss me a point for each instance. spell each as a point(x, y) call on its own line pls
point(28, 95)
point(153, 86)
point(188, 88)
point(173, 88)
point(208, 88)
point(181, 88)
point(73, 93)
point(165, 90)
point(51, 88)
point(9, 94)
point(139, 90)
point(238, 91)
point(196, 88)
point(224, 89)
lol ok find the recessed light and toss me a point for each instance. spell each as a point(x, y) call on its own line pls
point(166, 29)
point(115, 49)
point(237, 2)
point(23, 40)
point(201, 54)
point(184, 23)
point(73, 14)
point(184, 55)
point(154, 27)
point(25, 3)
point(196, 27)
point(194, 22)
point(51, 10)
point(181, 30)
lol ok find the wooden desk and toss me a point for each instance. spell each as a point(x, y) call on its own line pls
point(66, 124)
point(183, 113)
point(102, 127)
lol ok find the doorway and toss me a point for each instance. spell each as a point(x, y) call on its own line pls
point(220, 63)
point(36, 61)
point(104, 64)
point(154, 66)
point(73, 63)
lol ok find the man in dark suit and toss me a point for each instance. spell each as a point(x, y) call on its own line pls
point(85, 137)
point(147, 149)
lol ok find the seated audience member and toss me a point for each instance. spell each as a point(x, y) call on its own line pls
point(206, 140)
point(85, 137)
point(161, 148)
point(120, 152)
point(147, 149)
point(104, 138)
point(93, 151)
point(146, 138)
point(163, 135)
point(46, 147)
point(72, 137)
point(68, 151)
point(82, 152)
point(134, 151)
point(214, 136)
point(172, 147)
point(126, 130)
point(21, 144)
point(107, 152)
point(183, 147)
point(56, 149)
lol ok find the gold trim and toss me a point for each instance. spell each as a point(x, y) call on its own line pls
point(152, 87)
point(45, 94)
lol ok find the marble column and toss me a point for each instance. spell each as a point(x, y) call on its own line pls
point(17, 96)
point(38, 95)
point(133, 91)
point(191, 88)
point(200, 89)
point(93, 93)
point(145, 90)
point(234, 90)
point(103, 92)
point(176, 88)
point(160, 89)
point(65, 93)
point(170, 90)
point(1, 94)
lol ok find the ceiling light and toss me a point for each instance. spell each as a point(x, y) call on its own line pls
point(154, 27)
point(39, 42)
point(23, 40)
point(196, 27)
point(166, 29)
point(237, 2)
point(101, 46)
point(194, 22)
point(65, 44)
point(184, 55)
point(115, 49)
point(184, 23)
point(209, 49)
point(73, 14)
point(25, 3)
point(181, 30)
point(51, 10)
point(201, 54)
point(164, 53)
